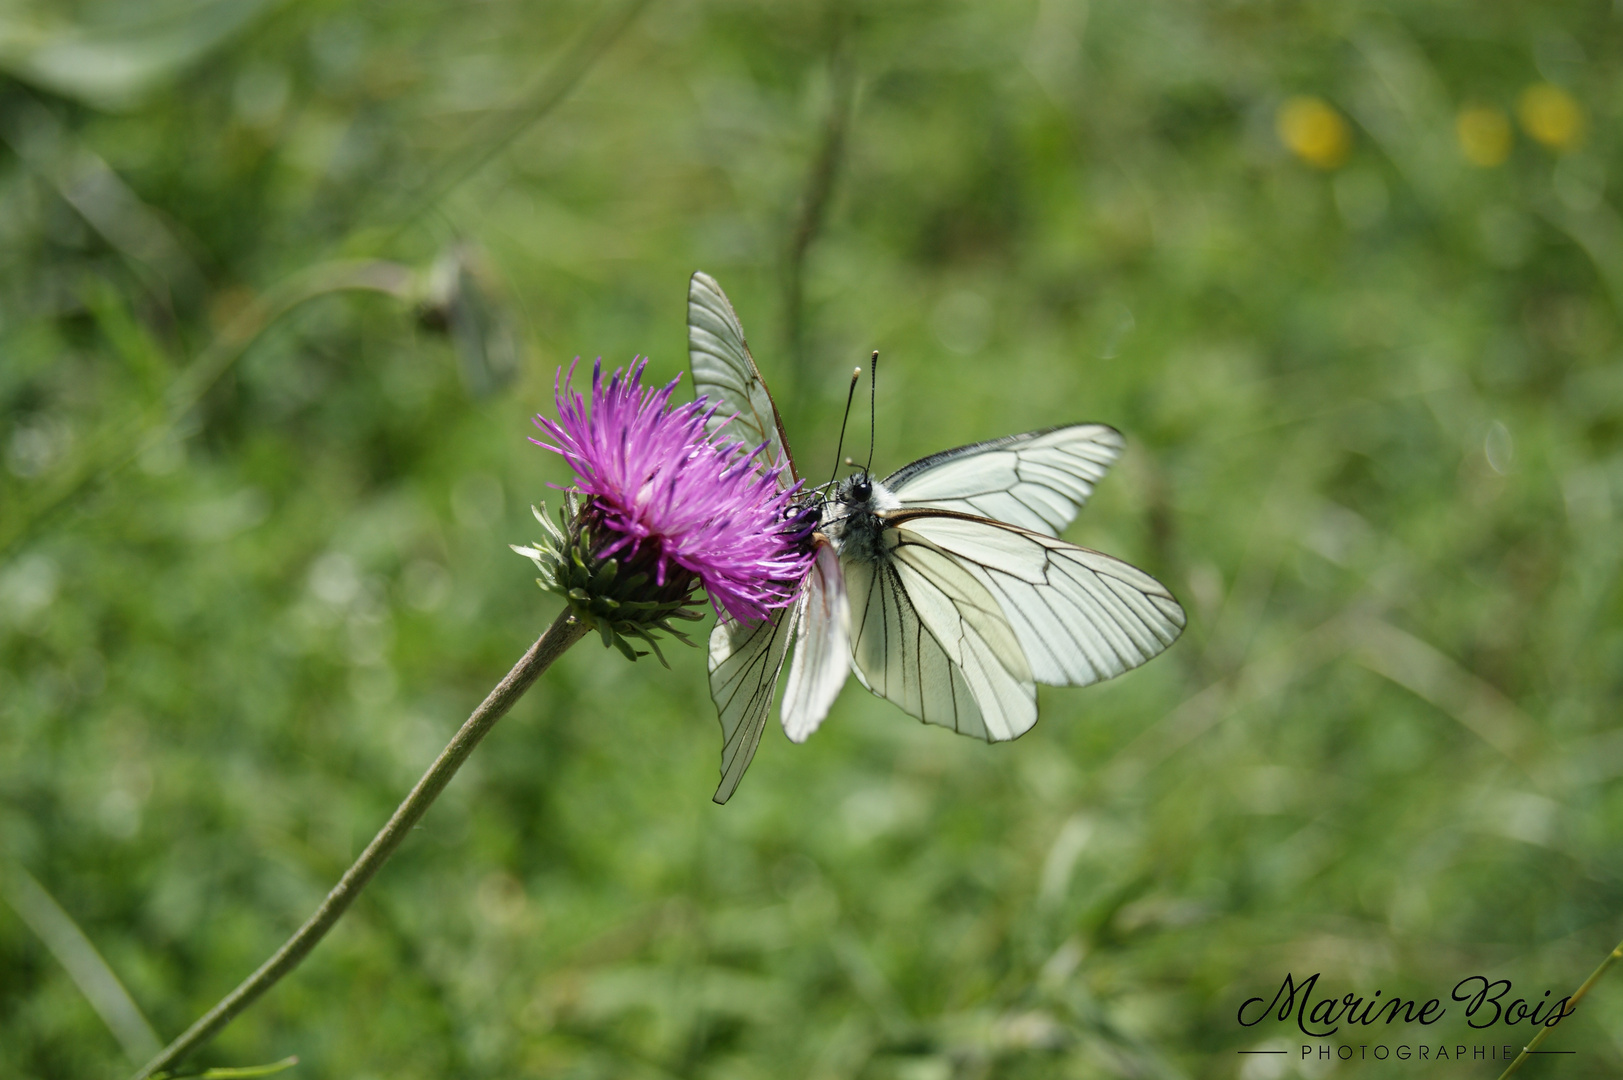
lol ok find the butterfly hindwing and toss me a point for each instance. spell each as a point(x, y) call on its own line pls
point(1080, 616)
point(1037, 480)
point(745, 661)
point(929, 637)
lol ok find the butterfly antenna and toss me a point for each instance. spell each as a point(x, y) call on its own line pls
point(873, 375)
point(856, 373)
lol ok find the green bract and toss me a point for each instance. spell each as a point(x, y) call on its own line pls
point(614, 596)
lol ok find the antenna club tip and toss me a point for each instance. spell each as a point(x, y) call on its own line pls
point(875, 355)
point(856, 373)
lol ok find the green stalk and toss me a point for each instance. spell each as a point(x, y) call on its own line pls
point(1594, 977)
point(564, 632)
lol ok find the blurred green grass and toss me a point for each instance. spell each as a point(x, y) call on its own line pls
point(1367, 367)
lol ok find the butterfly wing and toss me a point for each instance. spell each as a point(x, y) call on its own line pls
point(1080, 616)
point(1037, 481)
point(929, 636)
point(724, 373)
point(745, 661)
point(961, 616)
point(822, 648)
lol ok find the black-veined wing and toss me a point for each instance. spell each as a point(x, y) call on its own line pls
point(724, 372)
point(927, 635)
point(1038, 480)
point(745, 661)
point(1080, 616)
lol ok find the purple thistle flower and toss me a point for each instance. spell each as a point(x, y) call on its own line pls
point(669, 499)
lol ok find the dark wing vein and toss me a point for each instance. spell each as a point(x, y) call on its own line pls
point(724, 372)
point(930, 638)
point(745, 661)
point(1080, 615)
point(1037, 480)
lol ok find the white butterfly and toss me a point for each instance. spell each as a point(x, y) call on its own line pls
point(944, 586)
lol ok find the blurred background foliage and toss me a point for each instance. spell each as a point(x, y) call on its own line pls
point(281, 283)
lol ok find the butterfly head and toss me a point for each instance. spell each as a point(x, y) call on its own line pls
point(861, 494)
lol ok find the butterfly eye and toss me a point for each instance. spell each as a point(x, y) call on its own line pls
point(861, 489)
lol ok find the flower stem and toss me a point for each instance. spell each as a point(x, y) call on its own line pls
point(564, 632)
point(1594, 977)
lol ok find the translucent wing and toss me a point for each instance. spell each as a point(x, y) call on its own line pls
point(1037, 481)
point(1080, 616)
point(928, 635)
point(724, 372)
point(745, 660)
point(822, 648)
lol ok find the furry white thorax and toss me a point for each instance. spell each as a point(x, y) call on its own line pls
point(852, 522)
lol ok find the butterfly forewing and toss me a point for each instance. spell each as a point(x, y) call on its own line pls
point(1038, 480)
point(724, 373)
